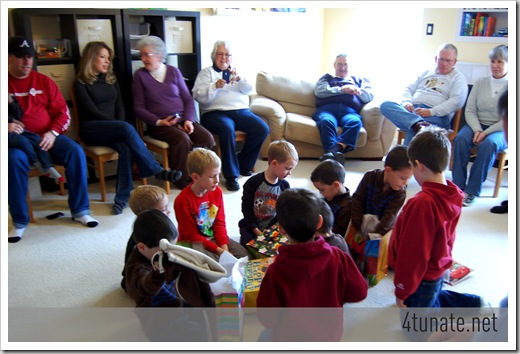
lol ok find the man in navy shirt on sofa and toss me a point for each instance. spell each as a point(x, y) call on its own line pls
point(339, 99)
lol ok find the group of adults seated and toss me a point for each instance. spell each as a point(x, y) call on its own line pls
point(163, 101)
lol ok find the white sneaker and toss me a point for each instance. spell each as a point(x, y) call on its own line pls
point(15, 234)
point(87, 220)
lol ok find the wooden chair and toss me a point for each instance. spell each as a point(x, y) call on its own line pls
point(240, 136)
point(502, 158)
point(160, 147)
point(33, 172)
point(98, 154)
point(452, 133)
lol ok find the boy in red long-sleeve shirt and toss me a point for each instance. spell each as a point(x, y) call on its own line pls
point(199, 208)
point(424, 233)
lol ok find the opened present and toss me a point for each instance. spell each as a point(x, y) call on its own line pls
point(267, 245)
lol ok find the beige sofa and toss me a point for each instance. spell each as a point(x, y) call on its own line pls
point(287, 106)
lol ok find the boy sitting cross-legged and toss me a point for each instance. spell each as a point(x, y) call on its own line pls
point(262, 190)
point(329, 179)
point(424, 233)
point(199, 208)
point(306, 273)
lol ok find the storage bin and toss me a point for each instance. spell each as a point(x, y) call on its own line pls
point(178, 36)
point(62, 74)
point(94, 30)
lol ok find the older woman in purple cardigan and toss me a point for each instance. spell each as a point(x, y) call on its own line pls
point(163, 101)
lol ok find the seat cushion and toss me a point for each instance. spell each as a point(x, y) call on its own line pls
point(99, 150)
point(149, 140)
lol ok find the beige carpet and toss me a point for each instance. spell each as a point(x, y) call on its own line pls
point(60, 263)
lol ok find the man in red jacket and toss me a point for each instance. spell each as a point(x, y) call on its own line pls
point(45, 113)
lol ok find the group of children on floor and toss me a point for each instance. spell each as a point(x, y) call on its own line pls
point(316, 268)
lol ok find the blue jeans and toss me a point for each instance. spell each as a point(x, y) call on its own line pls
point(404, 120)
point(329, 117)
point(223, 124)
point(65, 152)
point(430, 294)
point(486, 154)
point(122, 137)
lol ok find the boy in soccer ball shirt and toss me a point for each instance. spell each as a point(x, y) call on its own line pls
point(262, 190)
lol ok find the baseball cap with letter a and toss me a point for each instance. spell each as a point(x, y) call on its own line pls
point(20, 47)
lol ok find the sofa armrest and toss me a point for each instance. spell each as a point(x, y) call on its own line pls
point(272, 112)
point(372, 120)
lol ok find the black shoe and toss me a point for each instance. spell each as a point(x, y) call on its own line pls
point(348, 148)
point(169, 175)
point(232, 184)
point(338, 156)
point(246, 172)
point(419, 125)
point(336, 148)
point(327, 156)
point(500, 209)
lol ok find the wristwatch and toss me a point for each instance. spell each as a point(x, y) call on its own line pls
point(55, 133)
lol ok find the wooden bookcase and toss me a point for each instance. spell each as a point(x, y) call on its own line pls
point(118, 28)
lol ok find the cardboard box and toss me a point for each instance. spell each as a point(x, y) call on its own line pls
point(94, 30)
point(178, 36)
point(62, 74)
point(253, 275)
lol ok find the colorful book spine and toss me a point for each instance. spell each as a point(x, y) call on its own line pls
point(490, 28)
point(466, 24)
point(472, 26)
point(482, 25)
point(477, 24)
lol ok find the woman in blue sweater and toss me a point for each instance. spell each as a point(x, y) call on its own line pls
point(102, 122)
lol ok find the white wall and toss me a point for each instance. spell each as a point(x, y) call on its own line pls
point(286, 43)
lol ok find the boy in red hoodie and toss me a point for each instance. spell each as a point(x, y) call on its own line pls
point(424, 233)
point(307, 273)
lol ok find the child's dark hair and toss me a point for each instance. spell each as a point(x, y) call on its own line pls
point(502, 104)
point(328, 218)
point(297, 210)
point(397, 158)
point(151, 226)
point(432, 148)
point(328, 172)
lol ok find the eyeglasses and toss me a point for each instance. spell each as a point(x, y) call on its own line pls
point(442, 60)
point(227, 55)
point(147, 55)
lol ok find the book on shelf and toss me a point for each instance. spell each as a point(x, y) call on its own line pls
point(466, 24)
point(490, 28)
point(482, 25)
point(457, 273)
point(477, 24)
